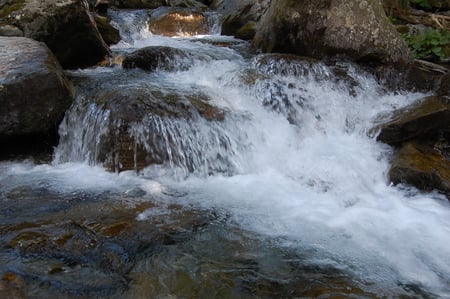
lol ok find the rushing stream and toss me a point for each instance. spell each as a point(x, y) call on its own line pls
point(286, 196)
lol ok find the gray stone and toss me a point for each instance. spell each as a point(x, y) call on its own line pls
point(67, 27)
point(34, 93)
point(358, 29)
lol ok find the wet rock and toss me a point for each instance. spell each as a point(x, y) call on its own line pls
point(140, 125)
point(177, 22)
point(422, 120)
point(68, 29)
point(421, 166)
point(138, 4)
point(109, 34)
point(193, 4)
point(34, 92)
point(247, 32)
point(444, 86)
point(240, 16)
point(100, 7)
point(357, 29)
point(156, 58)
point(101, 243)
point(419, 76)
point(12, 286)
point(8, 30)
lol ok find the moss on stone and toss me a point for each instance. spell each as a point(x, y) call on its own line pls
point(7, 8)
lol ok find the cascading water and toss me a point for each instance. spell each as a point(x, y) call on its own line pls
point(291, 163)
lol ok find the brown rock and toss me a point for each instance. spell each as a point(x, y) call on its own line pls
point(421, 166)
point(177, 22)
point(418, 121)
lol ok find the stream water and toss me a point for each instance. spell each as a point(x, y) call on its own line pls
point(287, 196)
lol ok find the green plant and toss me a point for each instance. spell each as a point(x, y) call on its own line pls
point(421, 3)
point(432, 43)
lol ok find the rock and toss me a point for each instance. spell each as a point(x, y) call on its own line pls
point(193, 4)
point(98, 238)
point(67, 28)
point(156, 58)
point(109, 34)
point(422, 167)
point(8, 30)
point(247, 32)
point(240, 16)
point(444, 86)
point(358, 29)
point(12, 286)
point(177, 22)
point(34, 93)
point(421, 120)
point(101, 7)
point(420, 76)
point(138, 4)
point(138, 125)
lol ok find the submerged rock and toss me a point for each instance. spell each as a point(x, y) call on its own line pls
point(34, 92)
point(67, 28)
point(98, 239)
point(358, 29)
point(422, 120)
point(177, 22)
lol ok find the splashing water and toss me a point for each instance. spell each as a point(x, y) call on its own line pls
point(292, 161)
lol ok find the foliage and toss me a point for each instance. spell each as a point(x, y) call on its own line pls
point(432, 43)
point(421, 3)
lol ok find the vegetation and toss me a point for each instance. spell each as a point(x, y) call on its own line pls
point(431, 44)
point(8, 7)
point(425, 4)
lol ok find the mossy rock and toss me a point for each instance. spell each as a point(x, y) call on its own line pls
point(9, 6)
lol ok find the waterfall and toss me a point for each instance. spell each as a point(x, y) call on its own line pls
point(281, 143)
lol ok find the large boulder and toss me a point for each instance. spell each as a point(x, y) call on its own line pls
point(34, 93)
point(358, 29)
point(67, 27)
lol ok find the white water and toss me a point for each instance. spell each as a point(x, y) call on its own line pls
point(307, 174)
